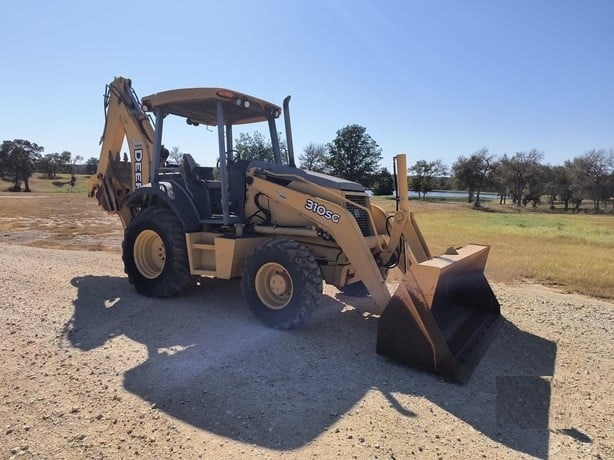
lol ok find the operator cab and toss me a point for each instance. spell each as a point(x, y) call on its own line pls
point(219, 198)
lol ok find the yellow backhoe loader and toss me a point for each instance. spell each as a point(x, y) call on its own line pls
point(281, 229)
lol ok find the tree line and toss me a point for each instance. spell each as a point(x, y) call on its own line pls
point(354, 155)
point(20, 158)
point(522, 177)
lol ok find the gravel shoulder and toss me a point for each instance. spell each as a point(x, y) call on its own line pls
point(92, 370)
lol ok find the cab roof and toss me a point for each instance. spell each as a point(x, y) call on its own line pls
point(199, 105)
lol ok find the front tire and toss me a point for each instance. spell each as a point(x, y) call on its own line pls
point(357, 289)
point(281, 283)
point(155, 254)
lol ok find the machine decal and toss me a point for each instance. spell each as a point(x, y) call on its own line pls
point(138, 167)
point(321, 210)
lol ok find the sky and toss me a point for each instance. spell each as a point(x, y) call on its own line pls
point(433, 79)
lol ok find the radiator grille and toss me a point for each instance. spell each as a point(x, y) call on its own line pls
point(361, 216)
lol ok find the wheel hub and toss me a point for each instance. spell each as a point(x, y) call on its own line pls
point(149, 254)
point(274, 285)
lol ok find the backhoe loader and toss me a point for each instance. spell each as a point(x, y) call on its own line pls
point(281, 229)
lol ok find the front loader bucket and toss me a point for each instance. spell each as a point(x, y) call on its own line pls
point(443, 316)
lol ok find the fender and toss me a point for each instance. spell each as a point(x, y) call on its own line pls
point(174, 196)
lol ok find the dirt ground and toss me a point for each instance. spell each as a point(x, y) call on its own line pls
point(92, 370)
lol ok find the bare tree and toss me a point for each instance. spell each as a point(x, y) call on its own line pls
point(175, 155)
point(591, 173)
point(423, 174)
point(314, 157)
point(536, 181)
point(77, 159)
point(471, 173)
point(559, 185)
point(517, 170)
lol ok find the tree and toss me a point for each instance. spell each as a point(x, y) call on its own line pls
point(46, 166)
point(74, 161)
point(256, 147)
point(423, 174)
point(537, 179)
point(91, 166)
point(516, 170)
point(559, 185)
point(19, 158)
point(314, 158)
point(353, 155)
point(609, 187)
point(52, 163)
point(383, 184)
point(175, 155)
point(471, 173)
point(591, 173)
point(499, 180)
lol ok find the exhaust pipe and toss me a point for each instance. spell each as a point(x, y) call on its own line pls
point(289, 131)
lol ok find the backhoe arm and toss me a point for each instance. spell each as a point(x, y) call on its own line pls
point(125, 120)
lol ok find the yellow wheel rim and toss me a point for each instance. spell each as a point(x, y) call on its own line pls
point(149, 254)
point(274, 285)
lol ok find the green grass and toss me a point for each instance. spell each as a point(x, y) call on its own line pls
point(59, 184)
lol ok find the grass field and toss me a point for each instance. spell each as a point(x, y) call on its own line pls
point(572, 251)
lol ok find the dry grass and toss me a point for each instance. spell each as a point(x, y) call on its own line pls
point(572, 251)
point(53, 216)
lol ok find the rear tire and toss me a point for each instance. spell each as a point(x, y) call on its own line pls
point(155, 255)
point(281, 283)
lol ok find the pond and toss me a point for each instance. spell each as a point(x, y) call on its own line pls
point(453, 195)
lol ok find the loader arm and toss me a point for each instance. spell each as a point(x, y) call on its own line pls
point(405, 230)
point(338, 223)
point(125, 120)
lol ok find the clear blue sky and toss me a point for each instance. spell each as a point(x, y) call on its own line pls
point(433, 79)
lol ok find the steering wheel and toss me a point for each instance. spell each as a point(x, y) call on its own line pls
point(232, 156)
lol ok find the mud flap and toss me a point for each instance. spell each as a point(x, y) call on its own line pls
point(443, 316)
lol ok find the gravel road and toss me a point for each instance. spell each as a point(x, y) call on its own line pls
point(92, 370)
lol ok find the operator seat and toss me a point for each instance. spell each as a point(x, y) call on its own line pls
point(198, 173)
point(202, 186)
point(189, 165)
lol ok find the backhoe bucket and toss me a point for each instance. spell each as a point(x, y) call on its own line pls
point(443, 316)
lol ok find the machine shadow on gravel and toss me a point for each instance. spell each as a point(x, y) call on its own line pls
point(213, 365)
